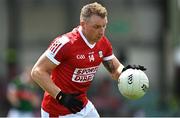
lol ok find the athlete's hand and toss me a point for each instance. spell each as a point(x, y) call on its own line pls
point(138, 67)
point(70, 101)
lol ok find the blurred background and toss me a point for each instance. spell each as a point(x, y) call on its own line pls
point(144, 32)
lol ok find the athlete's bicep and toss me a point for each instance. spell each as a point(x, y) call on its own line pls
point(41, 74)
point(45, 64)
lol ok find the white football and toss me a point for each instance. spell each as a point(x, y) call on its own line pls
point(133, 83)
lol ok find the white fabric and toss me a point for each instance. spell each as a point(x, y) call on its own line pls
point(85, 39)
point(108, 58)
point(55, 47)
point(49, 56)
point(13, 113)
point(89, 111)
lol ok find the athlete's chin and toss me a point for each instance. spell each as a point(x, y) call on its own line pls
point(98, 38)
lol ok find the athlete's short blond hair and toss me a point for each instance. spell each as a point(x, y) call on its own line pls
point(92, 9)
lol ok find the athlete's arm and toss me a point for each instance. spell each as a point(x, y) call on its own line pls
point(41, 75)
point(114, 67)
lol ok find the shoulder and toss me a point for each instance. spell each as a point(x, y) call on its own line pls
point(63, 42)
point(68, 37)
point(73, 36)
point(58, 43)
point(104, 41)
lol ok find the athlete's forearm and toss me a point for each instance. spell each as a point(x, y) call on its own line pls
point(117, 72)
point(114, 67)
point(43, 79)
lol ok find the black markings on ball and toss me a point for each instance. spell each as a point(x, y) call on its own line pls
point(144, 87)
point(130, 79)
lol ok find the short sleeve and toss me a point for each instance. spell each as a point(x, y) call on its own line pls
point(109, 51)
point(55, 49)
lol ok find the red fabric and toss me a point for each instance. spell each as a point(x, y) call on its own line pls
point(78, 65)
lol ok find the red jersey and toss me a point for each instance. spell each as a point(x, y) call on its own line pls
point(77, 62)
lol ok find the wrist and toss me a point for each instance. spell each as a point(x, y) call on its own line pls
point(59, 96)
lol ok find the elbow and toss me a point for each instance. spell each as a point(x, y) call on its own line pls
point(34, 73)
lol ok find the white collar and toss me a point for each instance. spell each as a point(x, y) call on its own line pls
point(85, 39)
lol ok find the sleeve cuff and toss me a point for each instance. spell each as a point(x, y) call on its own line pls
point(49, 56)
point(108, 57)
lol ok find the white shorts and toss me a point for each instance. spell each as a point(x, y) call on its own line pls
point(89, 111)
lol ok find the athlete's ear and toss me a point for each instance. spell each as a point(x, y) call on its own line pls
point(82, 23)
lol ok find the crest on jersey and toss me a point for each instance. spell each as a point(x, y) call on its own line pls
point(91, 56)
point(100, 54)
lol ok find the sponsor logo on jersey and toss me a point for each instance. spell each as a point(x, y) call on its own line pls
point(81, 75)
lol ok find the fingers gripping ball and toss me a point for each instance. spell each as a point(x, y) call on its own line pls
point(133, 83)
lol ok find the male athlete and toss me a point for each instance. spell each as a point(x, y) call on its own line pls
point(66, 69)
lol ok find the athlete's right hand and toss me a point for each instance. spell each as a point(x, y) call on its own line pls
point(70, 101)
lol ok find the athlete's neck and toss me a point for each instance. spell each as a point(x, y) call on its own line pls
point(88, 38)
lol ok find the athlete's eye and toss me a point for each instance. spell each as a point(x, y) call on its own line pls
point(96, 26)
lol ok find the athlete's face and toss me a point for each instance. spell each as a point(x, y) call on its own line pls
point(94, 28)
